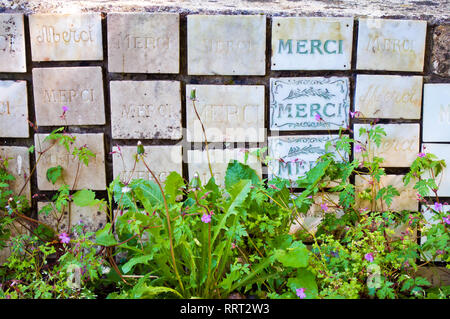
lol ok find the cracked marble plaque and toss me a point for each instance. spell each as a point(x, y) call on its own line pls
point(406, 201)
point(436, 112)
point(399, 148)
point(146, 109)
point(78, 88)
point(66, 37)
point(141, 42)
point(230, 113)
point(297, 103)
point(226, 44)
point(92, 176)
point(293, 156)
point(198, 163)
point(311, 43)
point(442, 151)
point(19, 166)
point(13, 109)
point(162, 160)
point(12, 43)
point(388, 96)
point(391, 45)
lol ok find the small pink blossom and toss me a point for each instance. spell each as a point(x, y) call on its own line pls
point(421, 154)
point(447, 219)
point(273, 187)
point(355, 114)
point(233, 246)
point(369, 257)
point(358, 148)
point(206, 218)
point(324, 207)
point(65, 108)
point(300, 293)
point(317, 117)
point(65, 239)
point(438, 206)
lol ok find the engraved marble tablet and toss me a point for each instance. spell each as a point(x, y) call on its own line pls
point(141, 42)
point(436, 112)
point(80, 89)
point(311, 43)
point(388, 96)
point(13, 109)
point(66, 37)
point(19, 166)
point(226, 44)
point(314, 103)
point(391, 45)
point(12, 43)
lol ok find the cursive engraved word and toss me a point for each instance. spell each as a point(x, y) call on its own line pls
point(49, 35)
point(229, 113)
point(5, 108)
point(378, 95)
point(380, 44)
point(67, 96)
point(389, 145)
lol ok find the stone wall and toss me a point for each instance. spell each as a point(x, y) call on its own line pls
point(261, 79)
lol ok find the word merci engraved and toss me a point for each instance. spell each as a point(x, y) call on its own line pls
point(296, 103)
point(66, 37)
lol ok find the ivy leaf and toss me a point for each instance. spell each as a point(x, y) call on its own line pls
point(53, 173)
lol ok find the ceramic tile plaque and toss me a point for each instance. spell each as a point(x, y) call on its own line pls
point(406, 201)
point(295, 155)
point(388, 96)
point(391, 45)
point(311, 43)
point(78, 88)
point(66, 37)
point(143, 42)
point(436, 112)
point(146, 109)
point(230, 113)
point(92, 176)
point(399, 147)
point(19, 166)
point(13, 109)
point(442, 151)
point(12, 43)
point(296, 103)
point(198, 163)
point(162, 160)
point(226, 44)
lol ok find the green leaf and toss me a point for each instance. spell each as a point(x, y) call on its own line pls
point(173, 185)
point(104, 237)
point(148, 193)
point(236, 172)
point(295, 256)
point(136, 260)
point(85, 197)
point(305, 279)
point(53, 173)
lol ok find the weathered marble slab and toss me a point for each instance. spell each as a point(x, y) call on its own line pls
point(293, 156)
point(399, 147)
point(162, 160)
point(143, 42)
point(66, 37)
point(226, 44)
point(230, 113)
point(311, 43)
point(436, 112)
point(313, 218)
point(146, 109)
point(78, 88)
point(18, 166)
point(442, 151)
point(406, 201)
point(295, 103)
point(388, 96)
point(13, 109)
point(12, 43)
point(91, 176)
point(391, 45)
point(198, 163)
point(89, 216)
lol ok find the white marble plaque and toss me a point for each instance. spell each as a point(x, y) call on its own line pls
point(436, 112)
point(311, 43)
point(19, 166)
point(315, 103)
point(12, 43)
point(13, 109)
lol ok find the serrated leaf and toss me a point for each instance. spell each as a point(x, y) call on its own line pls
point(53, 173)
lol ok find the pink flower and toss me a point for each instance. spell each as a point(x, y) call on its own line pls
point(273, 187)
point(65, 109)
point(317, 117)
point(300, 293)
point(358, 148)
point(369, 257)
point(206, 218)
point(421, 154)
point(438, 206)
point(65, 239)
point(324, 207)
point(233, 246)
point(447, 219)
point(354, 114)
